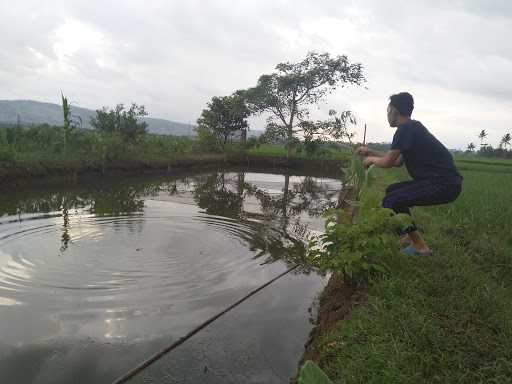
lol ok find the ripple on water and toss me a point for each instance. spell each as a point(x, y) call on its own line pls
point(129, 265)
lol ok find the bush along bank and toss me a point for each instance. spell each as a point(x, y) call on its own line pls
point(445, 318)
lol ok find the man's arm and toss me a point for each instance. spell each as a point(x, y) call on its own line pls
point(389, 160)
point(365, 151)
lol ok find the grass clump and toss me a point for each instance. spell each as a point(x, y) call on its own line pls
point(327, 152)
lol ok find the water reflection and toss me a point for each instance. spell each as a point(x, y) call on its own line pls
point(220, 193)
point(143, 261)
point(225, 194)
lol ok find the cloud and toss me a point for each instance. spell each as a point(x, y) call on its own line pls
point(173, 56)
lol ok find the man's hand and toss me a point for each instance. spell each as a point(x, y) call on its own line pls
point(368, 162)
point(362, 151)
point(399, 161)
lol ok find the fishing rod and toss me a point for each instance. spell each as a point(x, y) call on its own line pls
point(157, 356)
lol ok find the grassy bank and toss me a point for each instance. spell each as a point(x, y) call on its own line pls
point(327, 153)
point(41, 150)
point(445, 318)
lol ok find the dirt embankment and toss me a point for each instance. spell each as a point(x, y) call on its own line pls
point(336, 303)
point(19, 175)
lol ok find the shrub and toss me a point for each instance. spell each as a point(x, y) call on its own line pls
point(207, 140)
point(358, 248)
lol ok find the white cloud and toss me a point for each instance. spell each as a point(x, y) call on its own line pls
point(173, 56)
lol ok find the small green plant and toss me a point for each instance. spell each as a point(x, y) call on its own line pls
point(312, 374)
point(357, 247)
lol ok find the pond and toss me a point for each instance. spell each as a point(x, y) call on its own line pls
point(95, 277)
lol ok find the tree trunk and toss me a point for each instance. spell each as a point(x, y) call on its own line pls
point(289, 142)
point(285, 195)
point(240, 190)
point(290, 124)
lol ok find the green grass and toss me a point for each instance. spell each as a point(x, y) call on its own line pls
point(445, 318)
point(483, 164)
point(481, 159)
point(328, 153)
point(268, 150)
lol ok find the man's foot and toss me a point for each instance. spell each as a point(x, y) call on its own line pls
point(412, 251)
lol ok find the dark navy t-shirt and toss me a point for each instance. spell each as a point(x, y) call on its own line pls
point(424, 156)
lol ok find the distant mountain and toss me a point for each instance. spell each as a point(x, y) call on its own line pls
point(35, 112)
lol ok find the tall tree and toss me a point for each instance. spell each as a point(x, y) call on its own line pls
point(471, 147)
point(482, 135)
point(287, 93)
point(223, 117)
point(505, 140)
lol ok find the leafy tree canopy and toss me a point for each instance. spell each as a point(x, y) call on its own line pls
point(223, 117)
point(119, 120)
point(287, 93)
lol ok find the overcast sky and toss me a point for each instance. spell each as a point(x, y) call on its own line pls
point(455, 57)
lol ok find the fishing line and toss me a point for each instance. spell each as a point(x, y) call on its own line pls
point(157, 356)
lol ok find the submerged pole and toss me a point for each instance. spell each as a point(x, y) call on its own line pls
point(157, 356)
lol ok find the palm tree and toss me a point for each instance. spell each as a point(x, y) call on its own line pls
point(482, 136)
point(471, 147)
point(505, 140)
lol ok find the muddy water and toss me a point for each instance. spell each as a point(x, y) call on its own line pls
point(96, 277)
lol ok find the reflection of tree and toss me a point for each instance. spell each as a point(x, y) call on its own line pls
point(100, 200)
point(222, 195)
point(272, 231)
point(217, 195)
point(65, 230)
point(308, 196)
point(106, 200)
point(114, 202)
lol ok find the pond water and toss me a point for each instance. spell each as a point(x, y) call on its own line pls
point(96, 277)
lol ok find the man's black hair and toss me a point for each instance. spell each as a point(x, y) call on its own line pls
point(403, 102)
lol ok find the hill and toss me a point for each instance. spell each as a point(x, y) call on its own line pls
point(35, 112)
